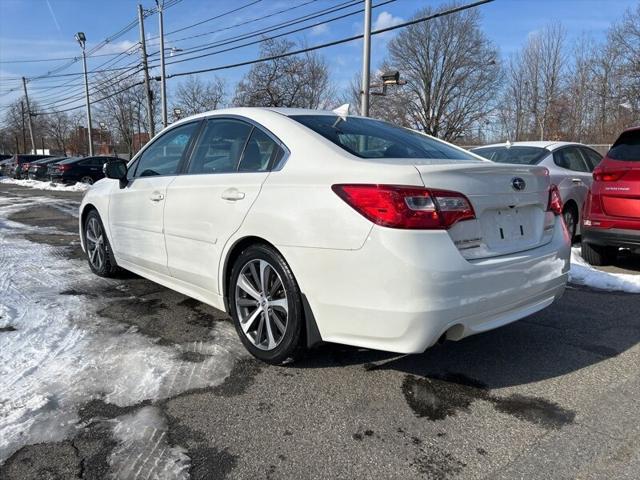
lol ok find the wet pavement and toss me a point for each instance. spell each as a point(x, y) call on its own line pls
point(556, 395)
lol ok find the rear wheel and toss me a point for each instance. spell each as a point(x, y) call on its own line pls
point(570, 216)
point(598, 255)
point(265, 304)
point(99, 253)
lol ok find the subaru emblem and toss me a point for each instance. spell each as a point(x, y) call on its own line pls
point(518, 184)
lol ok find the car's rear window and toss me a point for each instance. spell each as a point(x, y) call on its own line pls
point(512, 154)
point(368, 138)
point(627, 147)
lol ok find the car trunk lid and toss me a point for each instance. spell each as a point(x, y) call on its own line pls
point(510, 204)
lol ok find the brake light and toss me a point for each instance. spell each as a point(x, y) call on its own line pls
point(555, 200)
point(602, 175)
point(406, 207)
point(64, 167)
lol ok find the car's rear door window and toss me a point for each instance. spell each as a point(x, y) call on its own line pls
point(220, 146)
point(259, 152)
point(627, 147)
point(571, 159)
point(163, 156)
point(592, 157)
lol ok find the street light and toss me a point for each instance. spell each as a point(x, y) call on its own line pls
point(388, 78)
point(82, 41)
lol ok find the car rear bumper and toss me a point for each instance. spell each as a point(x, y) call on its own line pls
point(403, 289)
point(615, 237)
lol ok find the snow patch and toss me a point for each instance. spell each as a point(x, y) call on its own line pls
point(143, 448)
point(77, 187)
point(584, 274)
point(62, 354)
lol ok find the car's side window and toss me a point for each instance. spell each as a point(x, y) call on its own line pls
point(571, 159)
point(258, 153)
point(592, 157)
point(163, 156)
point(220, 146)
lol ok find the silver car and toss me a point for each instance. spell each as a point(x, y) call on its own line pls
point(570, 166)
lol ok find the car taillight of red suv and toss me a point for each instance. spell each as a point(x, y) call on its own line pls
point(611, 216)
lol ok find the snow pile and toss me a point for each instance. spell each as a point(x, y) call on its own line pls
point(584, 274)
point(62, 354)
point(77, 187)
point(143, 448)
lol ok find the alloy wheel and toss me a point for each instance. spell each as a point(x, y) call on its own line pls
point(95, 243)
point(261, 303)
point(87, 180)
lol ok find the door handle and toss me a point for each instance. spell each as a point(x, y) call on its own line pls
point(576, 180)
point(156, 197)
point(232, 194)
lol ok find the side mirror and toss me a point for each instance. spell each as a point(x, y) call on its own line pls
point(117, 170)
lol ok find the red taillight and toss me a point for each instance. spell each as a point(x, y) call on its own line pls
point(555, 201)
point(406, 207)
point(64, 167)
point(602, 175)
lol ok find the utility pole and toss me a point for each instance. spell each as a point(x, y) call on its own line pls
point(82, 40)
point(163, 77)
point(24, 135)
point(366, 60)
point(145, 69)
point(26, 97)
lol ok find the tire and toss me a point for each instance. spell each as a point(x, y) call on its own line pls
point(88, 180)
point(570, 217)
point(269, 324)
point(598, 255)
point(102, 262)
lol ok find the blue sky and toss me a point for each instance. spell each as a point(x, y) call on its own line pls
point(42, 29)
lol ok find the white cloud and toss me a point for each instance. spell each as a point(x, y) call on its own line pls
point(320, 29)
point(117, 47)
point(385, 20)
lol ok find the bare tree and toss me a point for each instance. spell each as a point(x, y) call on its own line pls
point(58, 128)
point(452, 73)
point(196, 96)
point(123, 109)
point(291, 81)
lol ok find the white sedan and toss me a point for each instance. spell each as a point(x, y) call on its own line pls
point(308, 226)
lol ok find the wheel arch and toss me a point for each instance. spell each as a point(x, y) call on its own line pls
point(311, 332)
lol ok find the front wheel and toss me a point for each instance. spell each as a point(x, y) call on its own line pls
point(88, 180)
point(265, 304)
point(99, 253)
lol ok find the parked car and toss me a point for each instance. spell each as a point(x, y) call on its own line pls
point(611, 217)
point(307, 226)
point(38, 170)
point(4, 156)
point(15, 167)
point(83, 170)
point(2, 164)
point(569, 164)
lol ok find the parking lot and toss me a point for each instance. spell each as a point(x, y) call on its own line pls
point(556, 395)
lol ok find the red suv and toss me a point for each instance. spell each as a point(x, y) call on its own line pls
point(611, 216)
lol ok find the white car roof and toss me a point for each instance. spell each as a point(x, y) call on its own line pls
point(548, 144)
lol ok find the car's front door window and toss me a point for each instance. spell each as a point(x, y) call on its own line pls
point(163, 156)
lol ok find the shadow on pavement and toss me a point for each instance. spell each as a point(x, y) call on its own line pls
point(584, 328)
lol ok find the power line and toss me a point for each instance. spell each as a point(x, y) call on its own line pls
point(296, 52)
point(335, 42)
point(212, 18)
point(273, 37)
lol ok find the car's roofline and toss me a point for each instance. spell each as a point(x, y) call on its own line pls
point(550, 145)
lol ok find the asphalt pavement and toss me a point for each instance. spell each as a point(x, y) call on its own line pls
point(556, 395)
